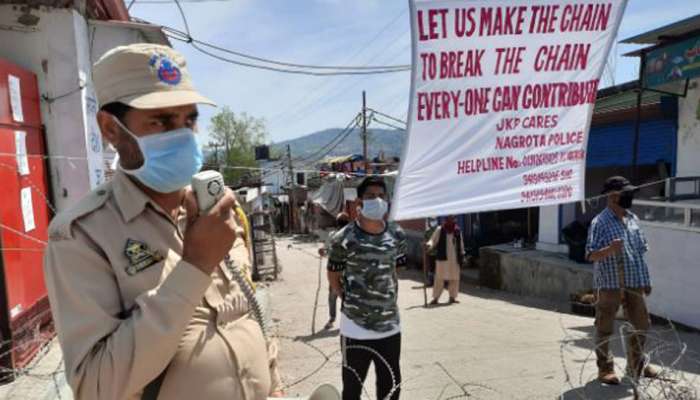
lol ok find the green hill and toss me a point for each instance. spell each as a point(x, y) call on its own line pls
point(315, 145)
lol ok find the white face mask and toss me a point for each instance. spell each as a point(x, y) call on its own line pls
point(374, 209)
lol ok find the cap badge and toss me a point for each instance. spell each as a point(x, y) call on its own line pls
point(168, 72)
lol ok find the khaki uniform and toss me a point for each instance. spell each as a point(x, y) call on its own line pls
point(126, 306)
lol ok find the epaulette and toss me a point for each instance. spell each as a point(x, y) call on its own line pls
point(61, 225)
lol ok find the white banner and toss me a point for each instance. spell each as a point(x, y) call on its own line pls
point(502, 96)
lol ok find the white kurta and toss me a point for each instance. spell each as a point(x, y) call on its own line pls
point(446, 270)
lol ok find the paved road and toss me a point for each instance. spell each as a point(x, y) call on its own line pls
point(492, 345)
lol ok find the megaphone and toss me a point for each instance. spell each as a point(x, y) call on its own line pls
point(323, 392)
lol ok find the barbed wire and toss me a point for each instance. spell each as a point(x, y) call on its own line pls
point(668, 353)
point(280, 168)
point(36, 189)
point(671, 384)
point(26, 379)
point(674, 385)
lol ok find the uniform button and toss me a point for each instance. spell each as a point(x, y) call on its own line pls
point(101, 192)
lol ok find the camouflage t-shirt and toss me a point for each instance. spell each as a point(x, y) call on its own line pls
point(370, 284)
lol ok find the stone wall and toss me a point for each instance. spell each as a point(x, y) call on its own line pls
point(533, 273)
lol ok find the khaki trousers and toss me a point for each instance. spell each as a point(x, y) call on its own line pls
point(636, 313)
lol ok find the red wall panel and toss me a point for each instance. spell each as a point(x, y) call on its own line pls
point(24, 290)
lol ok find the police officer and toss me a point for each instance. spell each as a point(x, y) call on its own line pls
point(143, 306)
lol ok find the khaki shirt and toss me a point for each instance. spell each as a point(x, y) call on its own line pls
point(126, 306)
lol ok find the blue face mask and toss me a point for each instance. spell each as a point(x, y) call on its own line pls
point(374, 209)
point(170, 159)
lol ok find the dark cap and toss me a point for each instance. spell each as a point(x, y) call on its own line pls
point(618, 184)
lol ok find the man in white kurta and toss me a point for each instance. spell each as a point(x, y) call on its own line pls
point(447, 242)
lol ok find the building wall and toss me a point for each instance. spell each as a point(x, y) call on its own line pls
point(60, 50)
point(105, 38)
point(675, 274)
point(275, 178)
point(533, 273)
point(51, 52)
point(688, 162)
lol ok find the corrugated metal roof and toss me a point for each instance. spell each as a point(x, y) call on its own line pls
point(624, 101)
point(662, 34)
point(341, 159)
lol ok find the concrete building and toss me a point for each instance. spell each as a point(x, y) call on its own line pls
point(651, 135)
point(671, 64)
point(59, 41)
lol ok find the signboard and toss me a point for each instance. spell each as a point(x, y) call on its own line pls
point(93, 138)
point(13, 85)
point(21, 152)
point(501, 102)
point(672, 63)
point(27, 209)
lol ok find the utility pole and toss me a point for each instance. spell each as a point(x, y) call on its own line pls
point(216, 156)
point(364, 132)
point(291, 189)
point(638, 118)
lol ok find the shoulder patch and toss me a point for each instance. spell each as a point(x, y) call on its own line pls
point(61, 225)
point(342, 233)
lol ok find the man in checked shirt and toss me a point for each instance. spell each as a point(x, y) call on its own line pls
point(616, 244)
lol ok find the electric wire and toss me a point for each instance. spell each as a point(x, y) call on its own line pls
point(341, 136)
point(278, 66)
point(388, 124)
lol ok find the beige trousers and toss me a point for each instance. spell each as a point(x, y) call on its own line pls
point(439, 285)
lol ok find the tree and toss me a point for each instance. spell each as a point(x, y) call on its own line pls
point(237, 135)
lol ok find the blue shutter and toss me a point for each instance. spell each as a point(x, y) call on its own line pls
point(611, 145)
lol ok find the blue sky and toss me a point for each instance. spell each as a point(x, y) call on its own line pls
point(332, 32)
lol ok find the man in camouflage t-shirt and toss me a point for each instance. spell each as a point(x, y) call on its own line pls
point(362, 266)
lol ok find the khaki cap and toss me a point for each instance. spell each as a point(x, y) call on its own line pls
point(145, 76)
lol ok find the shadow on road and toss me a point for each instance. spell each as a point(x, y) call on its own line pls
point(326, 333)
point(596, 390)
point(665, 343)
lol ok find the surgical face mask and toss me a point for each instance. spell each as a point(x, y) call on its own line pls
point(374, 209)
point(170, 159)
point(625, 200)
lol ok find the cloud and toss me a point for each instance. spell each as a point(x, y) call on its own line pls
point(328, 32)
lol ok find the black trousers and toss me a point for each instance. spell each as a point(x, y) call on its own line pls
point(357, 356)
point(332, 304)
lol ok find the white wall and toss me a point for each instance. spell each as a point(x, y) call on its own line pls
point(277, 176)
point(688, 162)
point(273, 179)
point(675, 273)
point(548, 234)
